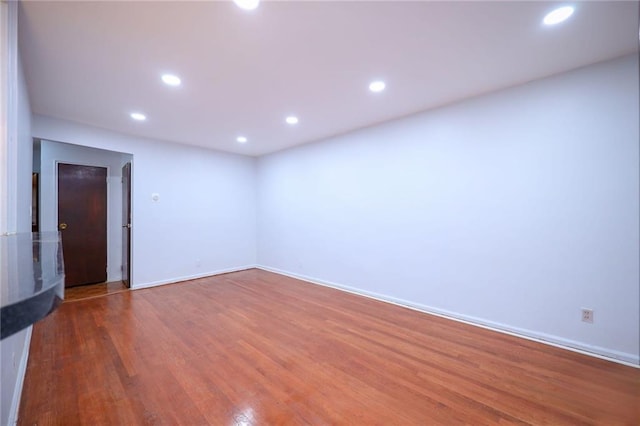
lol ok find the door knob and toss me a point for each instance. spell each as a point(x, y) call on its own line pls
point(63, 226)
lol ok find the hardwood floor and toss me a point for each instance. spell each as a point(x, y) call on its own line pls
point(256, 348)
point(83, 292)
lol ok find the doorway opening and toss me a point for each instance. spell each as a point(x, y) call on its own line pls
point(70, 176)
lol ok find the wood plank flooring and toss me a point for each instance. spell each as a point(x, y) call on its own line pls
point(256, 348)
point(83, 292)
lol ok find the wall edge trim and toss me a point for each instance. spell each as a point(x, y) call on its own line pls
point(192, 277)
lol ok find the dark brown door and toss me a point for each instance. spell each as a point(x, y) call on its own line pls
point(82, 220)
point(126, 224)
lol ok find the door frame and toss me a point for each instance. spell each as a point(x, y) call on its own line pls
point(126, 248)
point(52, 203)
point(132, 220)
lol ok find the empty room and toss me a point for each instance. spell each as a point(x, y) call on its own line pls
point(320, 212)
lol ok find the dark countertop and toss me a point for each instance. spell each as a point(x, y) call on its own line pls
point(31, 279)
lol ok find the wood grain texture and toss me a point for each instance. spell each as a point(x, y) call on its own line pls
point(256, 348)
point(82, 292)
point(82, 220)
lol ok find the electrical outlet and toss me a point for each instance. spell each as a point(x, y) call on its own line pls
point(587, 315)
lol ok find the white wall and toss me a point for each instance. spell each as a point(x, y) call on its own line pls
point(515, 209)
point(8, 81)
point(204, 221)
point(15, 193)
point(52, 153)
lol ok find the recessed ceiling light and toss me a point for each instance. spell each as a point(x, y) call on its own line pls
point(138, 116)
point(377, 86)
point(171, 80)
point(558, 15)
point(292, 119)
point(241, 139)
point(247, 4)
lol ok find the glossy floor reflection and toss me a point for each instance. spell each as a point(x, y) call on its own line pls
point(90, 291)
point(257, 348)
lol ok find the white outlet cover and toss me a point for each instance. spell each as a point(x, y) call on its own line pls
point(587, 315)
point(155, 197)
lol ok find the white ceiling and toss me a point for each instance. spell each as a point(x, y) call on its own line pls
point(244, 72)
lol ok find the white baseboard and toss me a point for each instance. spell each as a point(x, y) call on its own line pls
point(556, 341)
point(191, 277)
point(22, 371)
